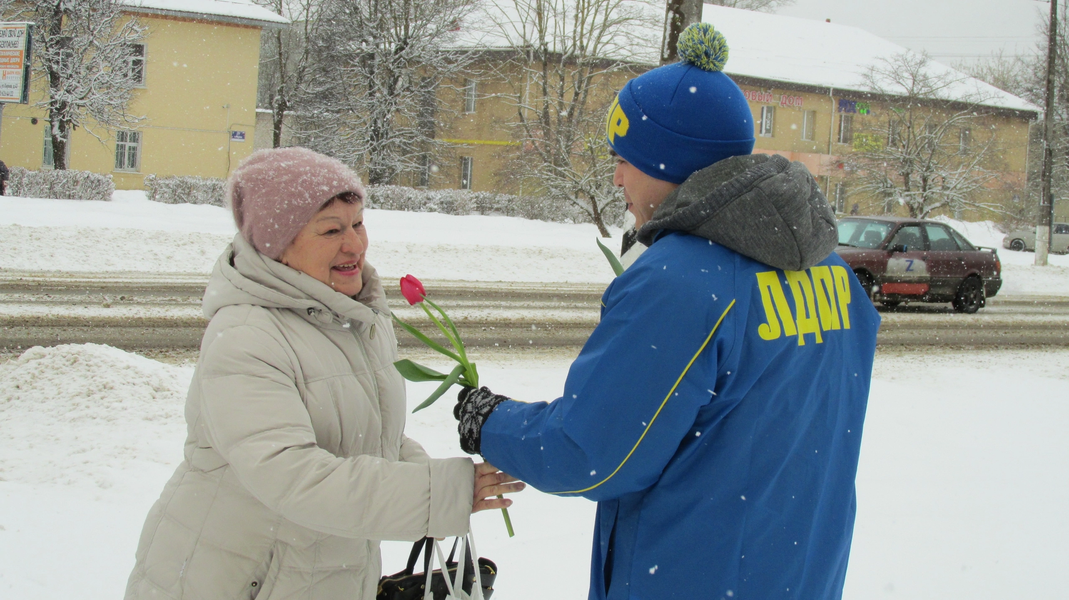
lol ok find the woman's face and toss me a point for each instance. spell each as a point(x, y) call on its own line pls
point(331, 247)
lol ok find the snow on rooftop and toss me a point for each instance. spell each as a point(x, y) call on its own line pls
point(821, 54)
point(239, 10)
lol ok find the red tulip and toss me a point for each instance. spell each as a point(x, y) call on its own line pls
point(412, 290)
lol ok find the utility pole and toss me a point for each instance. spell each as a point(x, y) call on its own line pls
point(1046, 201)
point(678, 14)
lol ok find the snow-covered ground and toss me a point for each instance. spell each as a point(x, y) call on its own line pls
point(133, 234)
point(962, 490)
point(962, 487)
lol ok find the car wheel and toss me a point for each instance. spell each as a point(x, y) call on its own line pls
point(866, 280)
point(1017, 245)
point(970, 297)
point(890, 303)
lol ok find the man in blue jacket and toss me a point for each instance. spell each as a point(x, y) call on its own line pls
point(715, 413)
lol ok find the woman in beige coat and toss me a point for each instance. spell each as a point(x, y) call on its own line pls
point(296, 463)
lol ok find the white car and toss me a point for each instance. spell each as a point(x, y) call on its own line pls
point(1025, 239)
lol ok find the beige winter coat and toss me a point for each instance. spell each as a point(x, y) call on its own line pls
point(296, 463)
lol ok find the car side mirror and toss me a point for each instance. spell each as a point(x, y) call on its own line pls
point(898, 248)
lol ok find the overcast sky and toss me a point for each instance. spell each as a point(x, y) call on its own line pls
point(949, 30)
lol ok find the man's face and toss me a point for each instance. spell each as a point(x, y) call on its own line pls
point(642, 192)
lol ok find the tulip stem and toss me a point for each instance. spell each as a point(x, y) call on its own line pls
point(508, 521)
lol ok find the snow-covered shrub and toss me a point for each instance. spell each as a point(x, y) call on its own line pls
point(185, 190)
point(60, 185)
point(467, 202)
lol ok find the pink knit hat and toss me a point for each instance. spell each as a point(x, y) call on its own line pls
point(275, 192)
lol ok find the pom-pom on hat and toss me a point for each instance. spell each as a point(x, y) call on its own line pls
point(274, 193)
point(680, 118)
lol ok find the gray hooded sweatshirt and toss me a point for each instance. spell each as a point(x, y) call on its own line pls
point(761, 206)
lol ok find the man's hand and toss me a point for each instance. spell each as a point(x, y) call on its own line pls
point(473, 408)
point(491, 483)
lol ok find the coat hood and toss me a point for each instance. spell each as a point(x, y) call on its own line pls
point(763, 207)
point(244, 276)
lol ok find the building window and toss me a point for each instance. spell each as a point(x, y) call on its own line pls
point(768, 114)
point(964, 140)
point(469, 95)
point(931, 137)
point(49, 159)
point(840, 197)
point(424, 170)
point(894, 140)
point(127, 150)
point(846, 129)
point(137, 64)
point(809, 121)
point(465, 172)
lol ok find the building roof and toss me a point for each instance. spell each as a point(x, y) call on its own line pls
point(241, 12)
point(827, 55)
point(762, 46)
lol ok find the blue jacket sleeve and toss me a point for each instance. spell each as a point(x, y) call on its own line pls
point(632, 394)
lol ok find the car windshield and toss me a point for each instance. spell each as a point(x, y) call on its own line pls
point(862, 234)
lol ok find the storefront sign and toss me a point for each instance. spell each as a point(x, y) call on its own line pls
point(850, 106)
point(768, 98)
point(15, 62)
point(759, 97)
point(790, 101)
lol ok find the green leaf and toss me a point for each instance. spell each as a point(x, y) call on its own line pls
point(454, 375)
point(417, 372)
point(426, 340)
point(613, 261)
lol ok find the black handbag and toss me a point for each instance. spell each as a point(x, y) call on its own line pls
point(407, 585)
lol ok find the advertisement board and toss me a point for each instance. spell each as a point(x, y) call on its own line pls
point(15, 49)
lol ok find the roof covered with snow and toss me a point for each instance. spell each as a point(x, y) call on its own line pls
point(817, 53)
point(242, 12)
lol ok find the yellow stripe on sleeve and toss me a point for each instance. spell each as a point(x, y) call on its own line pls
point(661, 407)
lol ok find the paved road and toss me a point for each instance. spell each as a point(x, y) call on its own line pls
point(146, 311)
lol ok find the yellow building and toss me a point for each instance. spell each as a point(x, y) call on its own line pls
point(198, 97)
point(805, 84)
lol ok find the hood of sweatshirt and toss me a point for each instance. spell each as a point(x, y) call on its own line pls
point(763, 207)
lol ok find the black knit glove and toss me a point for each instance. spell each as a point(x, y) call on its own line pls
point(472, 410)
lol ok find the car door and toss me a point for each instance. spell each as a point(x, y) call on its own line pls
point(1060, 237)
point(947, 265)
point(907, 265)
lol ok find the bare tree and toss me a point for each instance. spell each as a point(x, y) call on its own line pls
point(1010, 73)
point(566, 55)
point(85, 53)
point(930, 148)
point(1023, 77)
point(286, 60)
point(371, 97)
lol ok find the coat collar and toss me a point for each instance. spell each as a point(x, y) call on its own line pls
point(244, 276)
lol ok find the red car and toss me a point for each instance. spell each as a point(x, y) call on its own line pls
point(917, 260)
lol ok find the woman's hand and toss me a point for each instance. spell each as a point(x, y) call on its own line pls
point(489, 484)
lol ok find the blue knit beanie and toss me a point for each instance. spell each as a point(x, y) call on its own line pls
point(682, 117)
